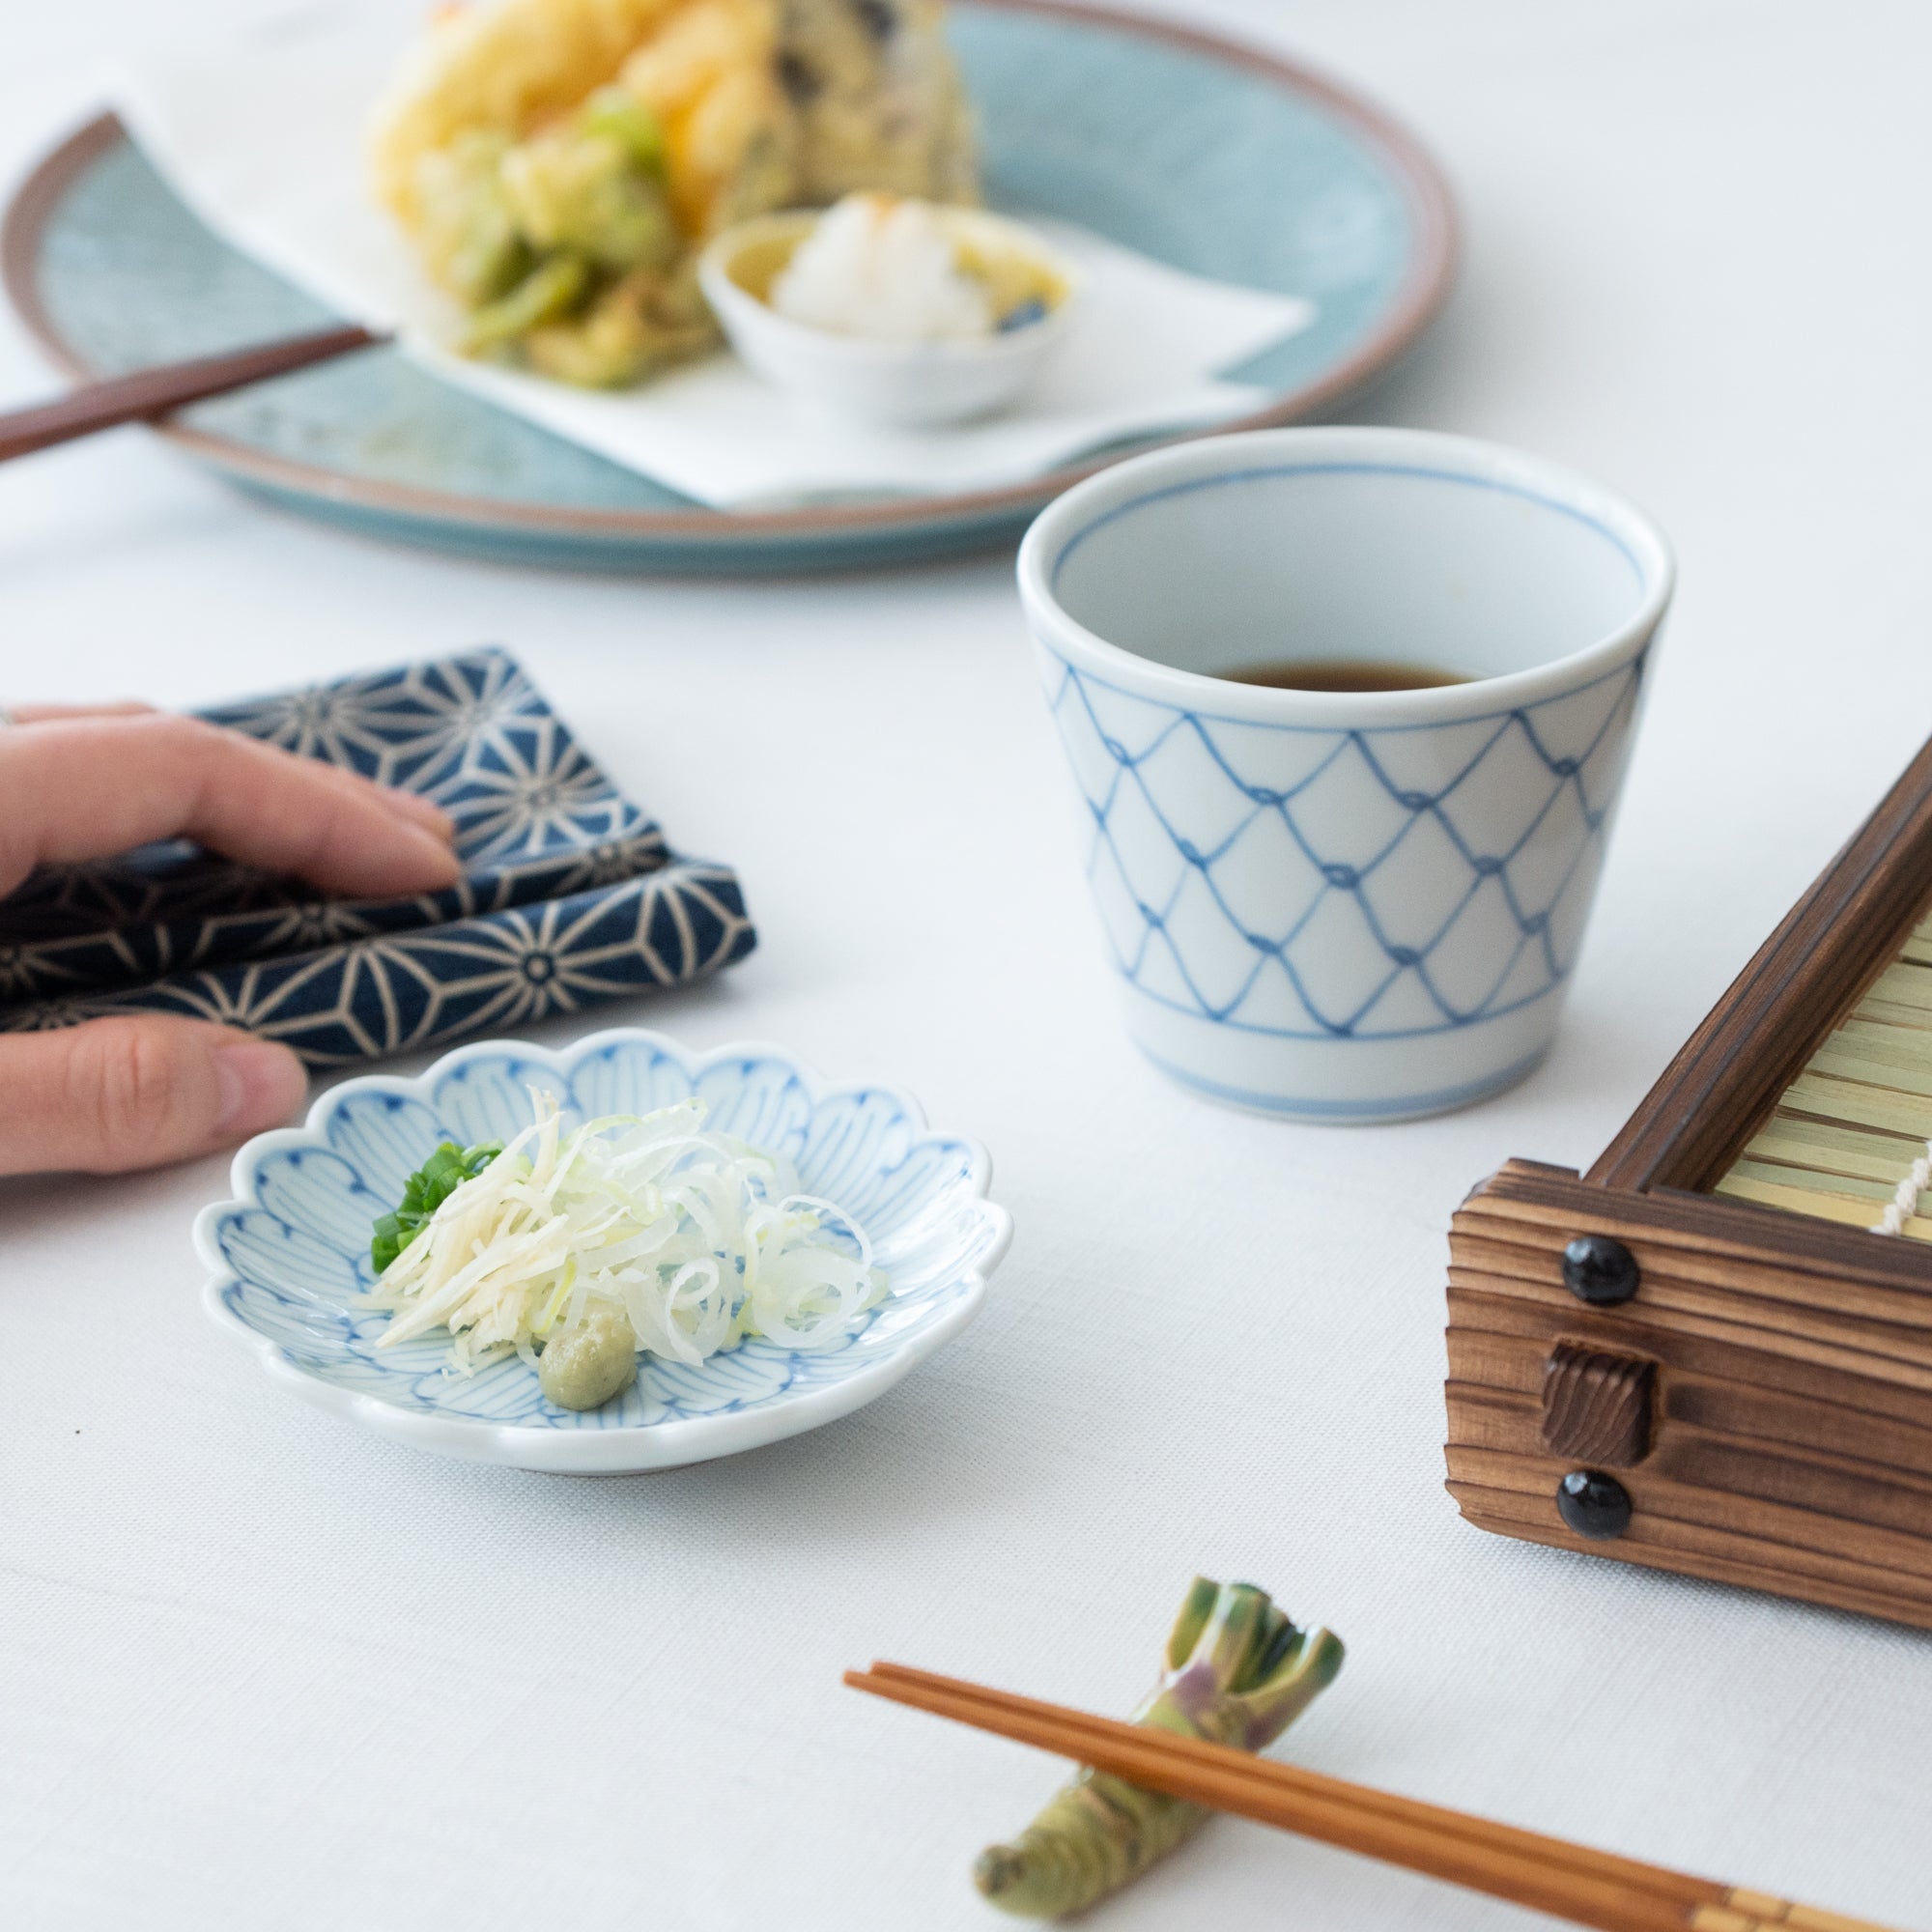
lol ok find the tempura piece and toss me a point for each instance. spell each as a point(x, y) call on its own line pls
point(561, 163)
point(503, 70)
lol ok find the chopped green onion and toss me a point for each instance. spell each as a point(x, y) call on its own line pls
point(424, 1192)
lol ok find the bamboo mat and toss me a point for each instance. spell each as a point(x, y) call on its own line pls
point(1850, 1138)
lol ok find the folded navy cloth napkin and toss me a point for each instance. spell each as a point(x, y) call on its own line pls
point(569, 894)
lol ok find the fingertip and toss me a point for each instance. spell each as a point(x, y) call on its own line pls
point(261, 1085)
point(137, 1091)
point(439, 862)
point(414, 808)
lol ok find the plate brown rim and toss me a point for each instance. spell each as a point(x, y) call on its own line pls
point(1431, 274)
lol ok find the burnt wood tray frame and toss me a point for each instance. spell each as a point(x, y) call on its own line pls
point(1645, 1371)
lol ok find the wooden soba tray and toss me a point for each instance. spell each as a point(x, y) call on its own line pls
point(1703, 1354)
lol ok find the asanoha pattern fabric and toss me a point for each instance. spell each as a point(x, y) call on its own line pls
point(569, 894)
point(1441, 873)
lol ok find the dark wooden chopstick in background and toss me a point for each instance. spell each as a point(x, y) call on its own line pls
point(1552, 1875)
point(148, 393)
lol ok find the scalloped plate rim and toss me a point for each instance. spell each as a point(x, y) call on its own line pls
point(634, 1449)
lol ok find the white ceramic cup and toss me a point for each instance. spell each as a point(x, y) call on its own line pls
point(1343, 905)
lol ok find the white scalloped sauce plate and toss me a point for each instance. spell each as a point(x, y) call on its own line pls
point(289, 1255)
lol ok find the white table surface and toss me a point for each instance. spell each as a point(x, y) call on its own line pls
point(257, 1670)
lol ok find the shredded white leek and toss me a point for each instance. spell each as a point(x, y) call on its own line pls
point(700, 1239)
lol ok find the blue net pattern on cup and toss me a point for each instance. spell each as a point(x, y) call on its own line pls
point(1311, 883)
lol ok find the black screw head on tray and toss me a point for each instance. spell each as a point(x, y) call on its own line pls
point(1600, 1270)
point(1593, 1504)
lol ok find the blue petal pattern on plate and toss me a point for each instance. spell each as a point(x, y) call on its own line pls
point(569, 894)
point(291, 1251)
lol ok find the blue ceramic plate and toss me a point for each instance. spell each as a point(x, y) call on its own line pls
point(290, 1255)
point(1197, 152)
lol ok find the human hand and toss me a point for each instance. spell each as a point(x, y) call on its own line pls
point(119, 1094)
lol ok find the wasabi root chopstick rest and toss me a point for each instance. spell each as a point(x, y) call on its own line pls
point(1236, 1672)
point(1553, 1876)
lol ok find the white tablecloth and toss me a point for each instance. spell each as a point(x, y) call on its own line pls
point(257, 1670)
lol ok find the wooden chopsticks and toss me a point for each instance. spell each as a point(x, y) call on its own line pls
point(1550, 1875)
point(148, 393)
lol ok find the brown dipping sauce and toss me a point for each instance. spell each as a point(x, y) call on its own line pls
point(1344, 674)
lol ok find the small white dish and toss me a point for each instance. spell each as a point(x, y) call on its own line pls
point(288, 1256)
point(891, 384)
